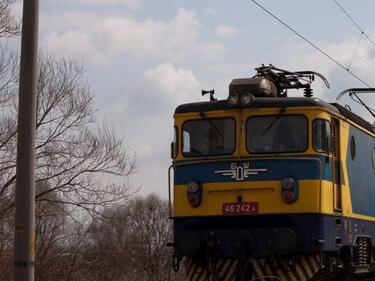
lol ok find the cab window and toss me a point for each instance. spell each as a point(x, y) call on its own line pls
point(321, 133)
point(277, 134)
point(208, 137)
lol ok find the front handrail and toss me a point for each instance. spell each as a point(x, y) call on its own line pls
point(169, 192)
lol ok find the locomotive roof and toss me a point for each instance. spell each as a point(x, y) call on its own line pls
point(258, 103)
point(274, 102)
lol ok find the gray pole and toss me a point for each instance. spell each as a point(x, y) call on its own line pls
point(24, 249)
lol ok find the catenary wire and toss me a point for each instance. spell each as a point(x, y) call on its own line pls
point(312, 44)
point(360, 102)
point(355, 51)
point(354, 22)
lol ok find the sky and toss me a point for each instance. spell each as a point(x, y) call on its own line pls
point(144, 57)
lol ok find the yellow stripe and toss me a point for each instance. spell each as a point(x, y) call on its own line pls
point(288, 271)
point(188, 265)
point(318, 257)
point(190, 275)
point(280, 272)
point(231, 270)
point(292, 276)
point(273, 267)
point(198, 272)
point(191, 271)
point(268, 269)
point(306, 266)
point(225, 267)
point(202, 276)
point(217, 274)
point(220, 266)
point(299, 271)
point(313, 263)
point(220, 263)
point(281, 275)
point(257, 270)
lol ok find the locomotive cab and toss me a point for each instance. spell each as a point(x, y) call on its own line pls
point(258, 176)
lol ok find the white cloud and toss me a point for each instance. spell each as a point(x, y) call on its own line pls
point(129, 3)
point(145, 118)
point(75, 20)
point(225, 30)
point(100, 38)
point(211, 50)
point(174, 82)
point(211, 12)
point(164, 87)
point(303, 57)
point(133, 4)
point(306, 56)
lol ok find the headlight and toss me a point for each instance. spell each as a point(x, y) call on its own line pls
point(194, 194)
point(247, 99)
point(193, 187)
point(233, 99)
point(289, 190)
point(287, 183)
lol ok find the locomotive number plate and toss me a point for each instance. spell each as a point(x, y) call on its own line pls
point(240, 208)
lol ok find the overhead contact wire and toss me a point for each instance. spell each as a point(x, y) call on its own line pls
point(355, 50)
point(312, 44)
point(354, 22)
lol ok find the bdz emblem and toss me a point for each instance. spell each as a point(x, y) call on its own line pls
point(240, 173)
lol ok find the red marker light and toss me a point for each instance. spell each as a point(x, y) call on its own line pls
point(288, 196)
point(194, 193)
point(193, 200)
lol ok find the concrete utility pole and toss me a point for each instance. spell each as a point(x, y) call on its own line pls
point(24, 249)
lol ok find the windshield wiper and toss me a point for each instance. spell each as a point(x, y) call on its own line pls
point(212, 124)
point(282, 110)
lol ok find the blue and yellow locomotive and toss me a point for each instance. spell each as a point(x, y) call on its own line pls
point(271, 187)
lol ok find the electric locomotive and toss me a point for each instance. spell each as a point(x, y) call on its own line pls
point(271, 187)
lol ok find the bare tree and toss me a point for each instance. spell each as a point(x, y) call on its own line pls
point(6, 248)
point(85, 163)
point(129, 242)
point(9, 25)
point(80, 163)
point(53, 238)
point(151, 231)
point(59, 242)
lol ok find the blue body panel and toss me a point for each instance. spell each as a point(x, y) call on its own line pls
point(314, 232)
point(275, 169)
point(361, 173)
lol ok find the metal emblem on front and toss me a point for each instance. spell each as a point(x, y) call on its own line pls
point(240, 172)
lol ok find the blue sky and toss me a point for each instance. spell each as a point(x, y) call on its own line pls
point(144, 57)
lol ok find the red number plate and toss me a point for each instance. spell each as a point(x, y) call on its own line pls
point(240, 208)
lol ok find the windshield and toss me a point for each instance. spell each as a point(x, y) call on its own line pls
point(277, 134)
point(208, 137)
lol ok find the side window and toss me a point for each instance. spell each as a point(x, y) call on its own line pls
point(321, 133)
point(186, 142)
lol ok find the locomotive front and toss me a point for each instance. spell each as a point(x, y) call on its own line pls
point(255, 185)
